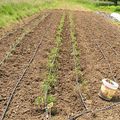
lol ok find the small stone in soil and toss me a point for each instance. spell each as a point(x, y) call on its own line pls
point(1, 98)
point(54, 111)
point(94, 115)
point(88, 101)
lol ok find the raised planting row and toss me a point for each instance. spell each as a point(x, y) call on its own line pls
point(75, 51)
point(47, 100)
point(17, 42)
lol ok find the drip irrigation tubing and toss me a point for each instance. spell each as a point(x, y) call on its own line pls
point(108, 62)
point(93, 111)
point(116, 53)
point(77, 84)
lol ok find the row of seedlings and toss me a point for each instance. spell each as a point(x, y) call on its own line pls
point(47, 100)
point(80, 82)
point(13, 47)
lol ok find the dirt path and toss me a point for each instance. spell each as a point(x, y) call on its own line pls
point(91, 30)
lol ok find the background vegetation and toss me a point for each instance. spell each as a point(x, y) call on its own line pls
point(14, 10)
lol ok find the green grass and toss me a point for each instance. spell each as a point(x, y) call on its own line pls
point(95, 6)
point(10, 12)
point(15, 10)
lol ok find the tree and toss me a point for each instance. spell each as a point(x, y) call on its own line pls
point(115, 2)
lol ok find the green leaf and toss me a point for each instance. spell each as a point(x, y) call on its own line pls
point(39, 100)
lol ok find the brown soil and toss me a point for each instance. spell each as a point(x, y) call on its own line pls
point(17, 25)
point(11, 36)
point(13, 68)
point(68, 100)
point(91, 29)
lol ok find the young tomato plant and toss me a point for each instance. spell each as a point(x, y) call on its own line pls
point(75, 51)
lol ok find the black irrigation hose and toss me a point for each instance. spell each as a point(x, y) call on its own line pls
point(116, 53)
point(109, 65)
point(93, 111)
point(19, 80)
point(77, 84)
point(20, 28)
point(13, 92)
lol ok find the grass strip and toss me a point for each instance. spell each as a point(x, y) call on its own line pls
point(96, 5)
point(13, 10)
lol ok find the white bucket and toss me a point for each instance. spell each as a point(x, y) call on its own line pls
point(108, 89)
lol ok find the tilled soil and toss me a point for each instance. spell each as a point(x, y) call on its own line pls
point(68, 100)
point(92, 31)
point(11, 28)
point(13, 68)
point(7, 41)
point(95, 33)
